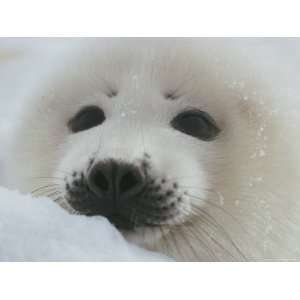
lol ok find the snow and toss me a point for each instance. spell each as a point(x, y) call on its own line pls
point(37, 229)
point(262, 153)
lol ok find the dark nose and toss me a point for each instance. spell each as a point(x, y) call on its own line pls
point(114, 183)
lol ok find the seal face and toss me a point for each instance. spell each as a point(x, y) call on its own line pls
point(128, 194)
point(168, 140)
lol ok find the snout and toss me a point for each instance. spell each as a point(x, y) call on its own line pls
point(127, 194)
point(116, 186)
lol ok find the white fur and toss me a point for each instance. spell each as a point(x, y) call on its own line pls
point(246, 182)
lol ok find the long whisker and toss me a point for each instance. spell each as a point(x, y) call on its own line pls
point(164, 238)
point(208, 249)
point(174, 240)
point(183, 235)
point(221, 209)
point(215, 241)
point(55, 193)
point(180, 177)
point(64, 172)
point(48, 177)
point(44, 187)
point(211, 220)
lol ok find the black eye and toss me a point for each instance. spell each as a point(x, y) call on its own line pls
point(86, 118)
point(196, 123)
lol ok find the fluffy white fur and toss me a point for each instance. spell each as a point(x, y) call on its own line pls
point(241, 199)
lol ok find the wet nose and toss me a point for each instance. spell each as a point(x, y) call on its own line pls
point(116, 182)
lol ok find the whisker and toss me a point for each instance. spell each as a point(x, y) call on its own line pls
point(164, 238)
point(208, 249)
point(174, 240)
point(221, 209)
point(64, 172)
point(48, 177)
point(44, 187)
point(180, 177)
point(183, 235)
point(216, 242)
point(54, 193)
point(211, 222)
point(206, 216)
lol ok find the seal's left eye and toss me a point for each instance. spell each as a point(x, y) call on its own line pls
point(198, 124)
point(86, 118)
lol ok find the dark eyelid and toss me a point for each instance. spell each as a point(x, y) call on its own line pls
point(200, 124)
point(94, 116)
point(197, 112)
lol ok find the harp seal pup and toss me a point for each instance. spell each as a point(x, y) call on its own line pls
point(189, 146)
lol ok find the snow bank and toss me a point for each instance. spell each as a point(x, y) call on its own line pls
point(37, 229)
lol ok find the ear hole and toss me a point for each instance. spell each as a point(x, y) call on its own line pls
point(112, 93)
point(171, 95)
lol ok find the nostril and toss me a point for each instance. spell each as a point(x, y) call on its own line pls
point(112, 180)
point(100, 181)
point(128, 182)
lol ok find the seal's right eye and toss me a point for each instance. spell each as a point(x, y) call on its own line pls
point(86, 118)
